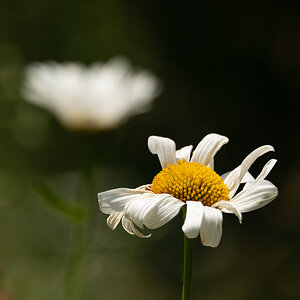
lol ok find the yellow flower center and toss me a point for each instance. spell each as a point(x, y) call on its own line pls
point(190, 181)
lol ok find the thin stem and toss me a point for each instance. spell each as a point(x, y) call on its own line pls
point(188, 266)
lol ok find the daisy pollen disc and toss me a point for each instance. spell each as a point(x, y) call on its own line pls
point(191, 181)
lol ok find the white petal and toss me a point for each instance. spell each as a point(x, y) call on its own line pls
point(208, 147)
point(211, 227)
point(266, 169)
point(233, 180)
point(139, 210)
point(165, 211)
point(255, 195)
point(165, 148)
point(193, 219)
point(211, 164)
point(263, 174)
point(130, 228)
point(115, 200)
point(114, 219)
point(226, 206)
point(247, 177)
point(184, 153)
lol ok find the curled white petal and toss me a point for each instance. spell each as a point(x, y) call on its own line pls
point(211, 164)
point(114, 219)
point(266, 169)
point(255, 195)
point(263, 174)
point(193, 219)
point(233, 180)
point(131, 229)
point(165, 148)
point(211, 227)
point(115, 200)
point(140, 209)
point(247, 177)
point(163, 212)
point(184, 153)
point(226, 207)
point(208, 147)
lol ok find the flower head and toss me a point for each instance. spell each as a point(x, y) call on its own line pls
point(97, 97)
point(190, 181)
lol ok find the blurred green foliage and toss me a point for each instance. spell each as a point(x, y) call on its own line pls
point(228, 67)
point(61, 206)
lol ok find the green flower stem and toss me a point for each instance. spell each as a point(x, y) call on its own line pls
point(188, 266)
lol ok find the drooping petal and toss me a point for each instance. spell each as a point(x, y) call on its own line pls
point(162, 213)
point(228, 207)
point(263, 174)
point(184, 153)
point(193, 219)
point(113, 201)
point(141, 209)
point(165, 148)
point(211, 164)
point(266, 169)
point(211, 227)
point(114, 219)
point(255, 195)
point(247, 176)
point(208, 147)
point(233, 180)
point(130, 228)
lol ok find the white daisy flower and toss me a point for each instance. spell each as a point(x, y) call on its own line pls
point(97, 97)
point(190, 181)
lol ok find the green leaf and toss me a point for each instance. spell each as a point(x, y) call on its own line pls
point(71, 211)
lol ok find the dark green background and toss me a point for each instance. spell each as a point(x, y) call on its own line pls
point(229, 67)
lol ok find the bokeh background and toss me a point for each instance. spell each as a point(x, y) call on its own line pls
point(230, 67)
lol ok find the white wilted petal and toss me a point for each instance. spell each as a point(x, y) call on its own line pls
point(114, 219)
point(208, 147)
point(140, 209)
point(266, 169)
point(115, 200)
point(247, 176)
point(164, 212)
point(165, 149)
point(233, 180)
point(184, 153)
point(211, 227)
point(255, 195)
point(226, 206)
point(193, 219)
point(263, 174)
point(131, 229)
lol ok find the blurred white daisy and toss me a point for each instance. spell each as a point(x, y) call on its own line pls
point(101, 96)
point(191, 182)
